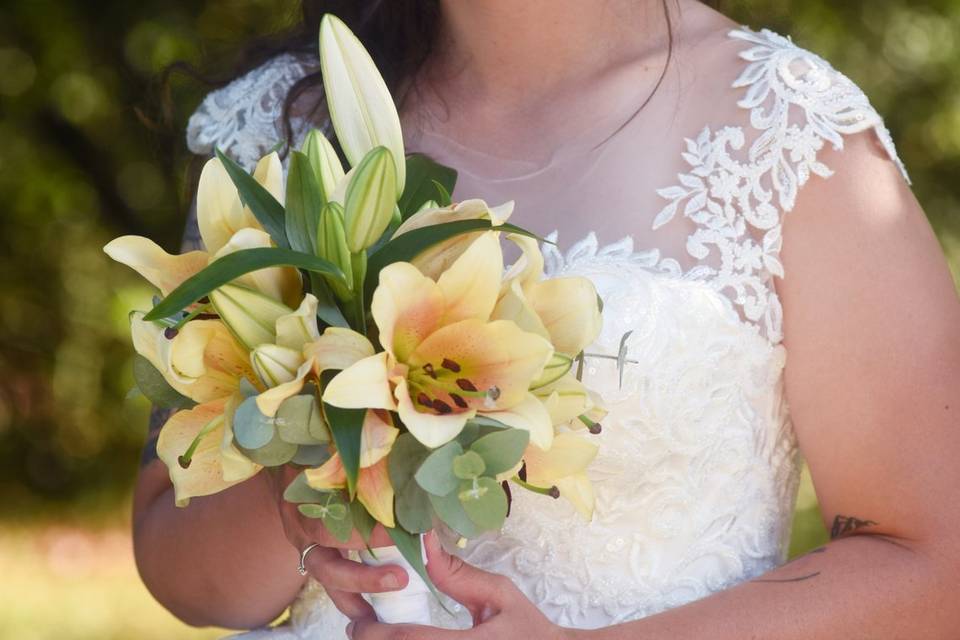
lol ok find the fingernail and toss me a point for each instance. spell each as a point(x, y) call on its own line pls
point(350, 630)
point(390, 581)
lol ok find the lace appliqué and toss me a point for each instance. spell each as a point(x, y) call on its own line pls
point(797, 102)
point(244, 118)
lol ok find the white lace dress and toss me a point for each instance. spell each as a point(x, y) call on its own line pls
point(698, 465)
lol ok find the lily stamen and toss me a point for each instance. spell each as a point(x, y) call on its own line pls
point(187, 457)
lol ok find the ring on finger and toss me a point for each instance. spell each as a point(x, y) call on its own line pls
point(302, 569)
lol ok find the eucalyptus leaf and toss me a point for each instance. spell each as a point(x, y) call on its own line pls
point(299, 492)
point(412, 503)
point(247, 389)
point(299, 421)
point(268, 212)
point(502, 449)
point(449, 509)
point(251, 428)
point(272, 454)
point(346, 426)
point(469, 465)
point(435, 475)
point(155, 388)
point(311, 455)
point(232, 266)
point(304, 201)
point(422, 172)
point(484, 502)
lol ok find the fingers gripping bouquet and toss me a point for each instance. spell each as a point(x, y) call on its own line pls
point(360, 326)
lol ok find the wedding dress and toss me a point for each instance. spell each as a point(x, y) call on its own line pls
point(698, 466)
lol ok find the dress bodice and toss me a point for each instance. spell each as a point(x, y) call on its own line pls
point(698, 466)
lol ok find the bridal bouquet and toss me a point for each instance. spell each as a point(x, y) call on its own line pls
point(360, 326)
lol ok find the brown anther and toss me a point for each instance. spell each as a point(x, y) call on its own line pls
point(595, 428)
point(424, 399)
point(170, 333)
point(554, 493)
point(184, 462)
point(457, 400)
point(442, 407)
point(428, 369)
point(494, 393)
point(465, 384)
point(450, 365)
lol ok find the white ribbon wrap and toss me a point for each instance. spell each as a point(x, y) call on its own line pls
point(410, 605)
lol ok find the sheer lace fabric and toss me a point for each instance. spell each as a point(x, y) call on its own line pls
point(677, 220)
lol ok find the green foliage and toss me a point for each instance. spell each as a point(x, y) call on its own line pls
point(155, 387)
point(423, 176)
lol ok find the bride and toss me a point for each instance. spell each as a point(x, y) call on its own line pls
point(741, 209)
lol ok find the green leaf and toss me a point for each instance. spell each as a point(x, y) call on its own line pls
point(299, 421)
point(154, 386)
point(232, 266)
point(408, 246)
point(501, 450)
point(268, 212)
point(327, 309)
point(304, 201)
point(485, 502)
point(451, 512)
point(311, 455)
point(363, 522)
point(251, 428)
point(370, 199)
point(444, 198)
point(468, 466)
point(412, 503)
point(299, 492)
point(435, 475)
point(346, 426)
point(411, 550)
point(422, 173)
point(273, 454)
point(333, 513)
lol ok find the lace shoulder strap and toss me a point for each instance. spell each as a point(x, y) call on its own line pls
point(244, 118)
point(736, 194)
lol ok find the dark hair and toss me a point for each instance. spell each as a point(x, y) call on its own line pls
point(399, 34)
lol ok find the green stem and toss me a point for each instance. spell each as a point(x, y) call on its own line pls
point(553, 492)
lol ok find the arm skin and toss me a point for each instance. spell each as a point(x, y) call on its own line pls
point(872, 330)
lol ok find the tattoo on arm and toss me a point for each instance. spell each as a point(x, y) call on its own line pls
point(158, 417)
point(843, 525)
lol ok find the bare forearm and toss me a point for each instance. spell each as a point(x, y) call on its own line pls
point(223, 560)
point(856, 587)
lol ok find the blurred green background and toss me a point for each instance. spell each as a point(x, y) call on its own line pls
point(82, 160)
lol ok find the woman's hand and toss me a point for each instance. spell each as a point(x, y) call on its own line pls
point(343, 579)
point(499, 608)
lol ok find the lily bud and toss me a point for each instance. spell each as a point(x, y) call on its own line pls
point(250, 315)
point(323, 158)
point(332, 246)
point(274, 364)
point(370, 200)
point(361, 107)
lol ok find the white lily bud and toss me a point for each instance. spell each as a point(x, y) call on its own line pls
point(250, 315)
point(275, 364)
point(370, 200)
point(323, 158)
point(361, 107)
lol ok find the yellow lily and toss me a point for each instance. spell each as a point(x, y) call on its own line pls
point(374, 489)
point(438, 258)
point(197, 447)
point(564, 465)
point(565, 310)
point(444, 359)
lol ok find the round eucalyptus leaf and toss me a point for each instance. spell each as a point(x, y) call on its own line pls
point(468, 466)
point(501, 450)
point(298, 421)
point(484, 502)
point(311, 455)
point(299, 492)
point(449, 509)
point(252, 429)
point(435, 475)
point(273, 454)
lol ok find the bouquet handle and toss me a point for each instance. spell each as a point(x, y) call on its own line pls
point(410, 605)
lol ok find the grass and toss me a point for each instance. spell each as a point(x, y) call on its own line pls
point(79, 582)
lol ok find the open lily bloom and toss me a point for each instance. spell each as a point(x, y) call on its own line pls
point(226, 225)
point(374, 489)
point(445, 360)
point(564, 466)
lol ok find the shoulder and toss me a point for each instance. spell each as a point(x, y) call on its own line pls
point(245, 118)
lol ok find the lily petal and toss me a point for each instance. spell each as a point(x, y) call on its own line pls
point(579, 491)
point(220, 214)
point(570, 454)
point(270, 400)
point(569, 311)
point(407, 306)
point(337, 348)
point(163, 270)
point(530, 415)
point(432, 430)
point(472, 284)
point(296, 329)
point(280, 283)
point(377, 438)
point(269, 173)
point(205, 474)
point(375, 492)
point(363, 385)
point(329, 475)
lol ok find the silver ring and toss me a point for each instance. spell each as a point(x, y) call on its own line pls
point(302, 569)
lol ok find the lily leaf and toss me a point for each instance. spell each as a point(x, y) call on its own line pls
point(154, 386)
point(422, 173)
point(346, 426)
point(363, 522)
point(268, 212)
point(304, 202)
point(232, 266)
point(412, 551)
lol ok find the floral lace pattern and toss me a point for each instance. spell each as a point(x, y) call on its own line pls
point(797, 103)
point(698, 466)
